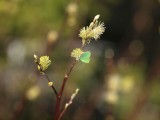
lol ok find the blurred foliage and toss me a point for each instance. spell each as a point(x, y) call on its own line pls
point(30, 18)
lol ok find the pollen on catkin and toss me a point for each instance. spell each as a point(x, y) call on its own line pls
point(76, 53)
point(94, 30)
point(44, 62)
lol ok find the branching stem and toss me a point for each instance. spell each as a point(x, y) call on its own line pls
point(66, 76)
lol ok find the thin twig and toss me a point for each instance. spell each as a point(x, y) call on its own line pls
point(55, 91)
point(45, 74)
point(68, 104)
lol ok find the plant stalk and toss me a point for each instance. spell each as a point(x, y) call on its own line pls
point(58, 100)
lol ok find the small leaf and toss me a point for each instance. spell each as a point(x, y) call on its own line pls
point(85, 57)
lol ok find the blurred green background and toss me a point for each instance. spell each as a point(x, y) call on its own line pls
point(122, 80)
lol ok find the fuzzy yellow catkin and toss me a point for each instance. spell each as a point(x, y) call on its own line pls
point(94, 30)
point(76, 53)
point(45, 62)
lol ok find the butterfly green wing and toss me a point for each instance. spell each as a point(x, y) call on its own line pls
point(85, 57)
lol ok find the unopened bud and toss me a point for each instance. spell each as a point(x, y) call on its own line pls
point(50, 84)
point(66, 105)
point(35, 56)
point(77, 90)
point(96, 17)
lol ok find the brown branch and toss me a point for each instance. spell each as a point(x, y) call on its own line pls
point(66, 76)
point(45, 74)
point(57, 108)
point(54, 89)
